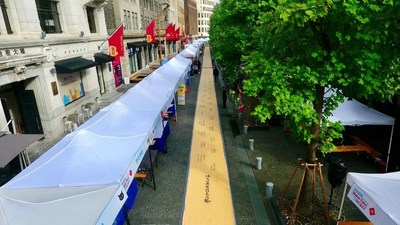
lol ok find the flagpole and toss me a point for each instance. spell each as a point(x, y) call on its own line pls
point(111, 34)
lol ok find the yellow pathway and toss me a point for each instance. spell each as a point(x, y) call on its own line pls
point(208, 198)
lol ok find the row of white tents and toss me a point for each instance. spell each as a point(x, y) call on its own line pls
point(83, 179)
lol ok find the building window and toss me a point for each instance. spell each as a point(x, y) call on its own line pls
point(132, 62)
point(48, 16)
point(5, 16)
point(91, 20)
point(125, 16)
point(136, 22)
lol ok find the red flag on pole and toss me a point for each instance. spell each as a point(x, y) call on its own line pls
point(173, 32)
point(150, 32)
point(177, 32)
point(116, 49)
point(116, 42)
point(169, 34)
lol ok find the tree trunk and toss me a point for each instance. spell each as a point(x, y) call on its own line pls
point(305, 200)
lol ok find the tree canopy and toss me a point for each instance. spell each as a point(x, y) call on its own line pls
point(295, 51)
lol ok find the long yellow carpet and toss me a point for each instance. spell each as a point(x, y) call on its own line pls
point(208, 198)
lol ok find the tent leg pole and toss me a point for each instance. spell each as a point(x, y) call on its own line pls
point(152, 170)
point(126, 215)
point(341, 204)
point(390, 146)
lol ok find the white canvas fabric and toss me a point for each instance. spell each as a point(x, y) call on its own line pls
point(376, 195)
point(84, 177)
point(354, 113)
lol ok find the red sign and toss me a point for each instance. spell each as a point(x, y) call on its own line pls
point(372, 211)
point(150, 32)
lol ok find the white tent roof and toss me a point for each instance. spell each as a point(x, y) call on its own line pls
point(188, 52)
point(376, 195)
point(78, 205)
point(83, 178)
point(354, 113)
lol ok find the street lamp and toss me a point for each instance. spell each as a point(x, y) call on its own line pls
point(159, 14)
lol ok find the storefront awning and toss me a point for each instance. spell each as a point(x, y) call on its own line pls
point(73, 65)
point(13, 144)
point(101, 58)
point(137, 44)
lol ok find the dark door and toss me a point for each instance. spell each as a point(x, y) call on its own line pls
point(29, 112)
point(7, 114)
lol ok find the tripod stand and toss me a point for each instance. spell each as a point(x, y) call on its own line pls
point(330, 204)
point(315, 167)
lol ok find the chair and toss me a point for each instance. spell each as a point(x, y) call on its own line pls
point(85, 111)
point(90, 106)
point(80, 118)
point(67, 125)
point(98, 103)
point(73, 118)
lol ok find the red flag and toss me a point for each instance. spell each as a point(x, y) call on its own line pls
point(169, 35)
point(116, 50)
point(177, 32)
point(116, 42)
point(150, 32)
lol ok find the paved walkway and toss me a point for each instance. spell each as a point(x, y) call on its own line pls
point(208, 197)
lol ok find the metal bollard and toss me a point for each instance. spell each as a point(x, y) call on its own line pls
point(245, 127)
point(259, 160)
point(251, 144)
point(268, 189)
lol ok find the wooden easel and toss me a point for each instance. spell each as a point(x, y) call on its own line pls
point(316, 167)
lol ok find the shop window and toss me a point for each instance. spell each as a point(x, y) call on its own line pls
point(48, 16)
point(132, 62)
point(70, 87)
point(150, 53)
point(5, 16)
point(91, 20)
point(139, 60)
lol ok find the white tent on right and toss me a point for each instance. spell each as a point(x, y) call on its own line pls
point(375, 195)
point(354, 113)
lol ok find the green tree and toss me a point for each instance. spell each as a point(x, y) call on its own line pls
point(231, 26)
point(306, 48)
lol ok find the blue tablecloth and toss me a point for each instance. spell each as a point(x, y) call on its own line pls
point(161, 143)
point(132, 192)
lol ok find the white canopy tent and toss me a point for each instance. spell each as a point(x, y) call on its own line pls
point(354, 113)
point(83, 179)
point(189, 52)
point(376, 195)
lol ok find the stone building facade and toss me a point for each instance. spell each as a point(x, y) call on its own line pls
point(48, 68)
point(54, 58)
